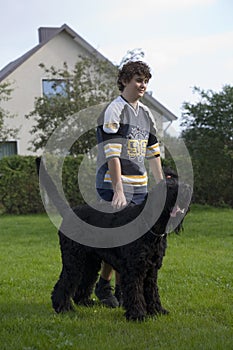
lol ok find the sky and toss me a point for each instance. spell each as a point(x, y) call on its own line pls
point(187, 43)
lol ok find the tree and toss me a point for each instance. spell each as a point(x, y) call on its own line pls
point(209, 138)
point(5, 132)
point(132, 55)
point(90, 82)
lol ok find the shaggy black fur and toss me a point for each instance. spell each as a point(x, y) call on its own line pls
point(137, 262)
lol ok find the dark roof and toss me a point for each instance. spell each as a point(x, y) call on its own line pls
point(14, 64)
point(46, 34)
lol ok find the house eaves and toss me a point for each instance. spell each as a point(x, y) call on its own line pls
point(155, 104)
point(48, 33)
point(7, 70)
point(51, 33)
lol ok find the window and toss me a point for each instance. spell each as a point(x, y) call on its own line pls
point(8, 148)
point(53, 87)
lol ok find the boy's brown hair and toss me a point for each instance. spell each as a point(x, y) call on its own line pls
point(131, 68)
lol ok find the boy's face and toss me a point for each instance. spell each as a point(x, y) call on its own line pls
point(137, 86)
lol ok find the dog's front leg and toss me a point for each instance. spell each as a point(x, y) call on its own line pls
point(61, 293)
point(73, 262)
point(134, 302)
point(89, 276)
point(151, 292)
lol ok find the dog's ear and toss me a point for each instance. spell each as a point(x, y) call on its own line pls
point(170, 173)
point(38, 161)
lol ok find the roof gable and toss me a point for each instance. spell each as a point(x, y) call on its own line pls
point(45, 35)
point(48, 33)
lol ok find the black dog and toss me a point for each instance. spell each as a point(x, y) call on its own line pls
point(137, 262)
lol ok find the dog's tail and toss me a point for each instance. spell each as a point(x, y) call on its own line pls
point(50, 188)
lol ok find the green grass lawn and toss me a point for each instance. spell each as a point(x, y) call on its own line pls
point(195, 285)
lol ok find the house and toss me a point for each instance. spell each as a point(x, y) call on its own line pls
point(56, 46)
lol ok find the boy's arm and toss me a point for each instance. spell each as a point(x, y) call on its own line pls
point(156, 168)
point(114, 167)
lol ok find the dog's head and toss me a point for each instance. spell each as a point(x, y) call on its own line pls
point(170, 201)
point(183, 195)
point(178, 200)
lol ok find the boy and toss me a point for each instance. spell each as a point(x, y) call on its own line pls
point(126, 135)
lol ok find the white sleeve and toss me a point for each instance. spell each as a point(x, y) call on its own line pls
point(111, 119)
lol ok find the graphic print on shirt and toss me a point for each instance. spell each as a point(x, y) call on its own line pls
point(136, 145)
point(130, 136)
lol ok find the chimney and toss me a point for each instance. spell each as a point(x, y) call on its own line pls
point(45, 33)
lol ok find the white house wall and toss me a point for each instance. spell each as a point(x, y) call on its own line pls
point(27, 83)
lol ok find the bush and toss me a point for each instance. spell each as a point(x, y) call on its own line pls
point(19, 185)
point(19, 190)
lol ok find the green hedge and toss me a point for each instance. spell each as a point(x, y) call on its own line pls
point(19, 185)
point(19, 189)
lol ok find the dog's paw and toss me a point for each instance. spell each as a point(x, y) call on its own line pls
point(62, 308)
point(135, 316)
point(154, 311)
point(162, 311)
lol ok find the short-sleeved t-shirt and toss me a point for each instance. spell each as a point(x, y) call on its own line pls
point(130, 135)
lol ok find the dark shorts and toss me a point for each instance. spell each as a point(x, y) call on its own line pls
point(106, 195)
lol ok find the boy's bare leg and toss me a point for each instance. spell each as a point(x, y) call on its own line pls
point(106, 271)
point(103, 289)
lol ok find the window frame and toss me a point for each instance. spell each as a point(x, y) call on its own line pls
point(8, 151)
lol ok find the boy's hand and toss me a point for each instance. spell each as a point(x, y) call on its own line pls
point(119, 200)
